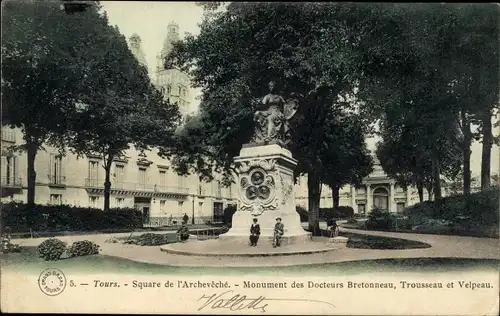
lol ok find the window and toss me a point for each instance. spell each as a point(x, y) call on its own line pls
point(119, 176)
point(56, 199)
point(120, 202)
point(200, 208)
point(8, 135)
point(9, 171)
point(180, 90)
point(93, 201)
point(162, 206)
point(56, 169)
point(361, 209)
point(219, 188)
point(93, 173)
point(400, 207)
point(181, 205)
point(163, 179)
point(218, 215)
point(169, 89)
point(381, 198)
point(142, 176)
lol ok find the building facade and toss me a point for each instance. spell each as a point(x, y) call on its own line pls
point(139, 179)
point(376, 191)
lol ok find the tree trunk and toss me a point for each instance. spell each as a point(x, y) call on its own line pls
point(107, 182)
point(486, 155)
point(31, 153)
point(429, 194)
point(314, 193)
point(336, 195)
point(420, 189)
point(466, 154)
point(436, 174)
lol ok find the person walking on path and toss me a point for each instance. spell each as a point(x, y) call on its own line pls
point(254, 233)
point(185, 218)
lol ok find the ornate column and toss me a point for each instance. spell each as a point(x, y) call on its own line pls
point(392, 204)
point(266, 192)
point(353, 198)
point(368, 199)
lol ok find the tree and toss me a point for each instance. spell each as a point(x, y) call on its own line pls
point(41, 73)
point(433, 77)
point(119, 106)
point(409, 163)
point(349, 160)
point(304, 48)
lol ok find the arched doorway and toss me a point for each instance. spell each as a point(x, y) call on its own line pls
point(381, 198)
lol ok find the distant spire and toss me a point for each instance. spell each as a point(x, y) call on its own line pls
point(171, 38)
point(135, 47)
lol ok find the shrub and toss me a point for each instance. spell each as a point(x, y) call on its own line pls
point(304, 215)
point(228, 215)
point(82, 248)
point(352, 221)
point(340, 212)
point(478, 208)
point(68, 218)
point(51, 249)
point(150, 239)
point(7, 246)
point(379, 219)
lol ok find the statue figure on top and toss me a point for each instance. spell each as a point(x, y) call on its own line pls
point(272, 119)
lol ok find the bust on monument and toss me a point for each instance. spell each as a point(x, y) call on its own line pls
point(272, 118)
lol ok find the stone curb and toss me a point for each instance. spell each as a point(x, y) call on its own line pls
point(168, 249)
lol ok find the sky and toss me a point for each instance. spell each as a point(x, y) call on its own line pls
point(149, 20)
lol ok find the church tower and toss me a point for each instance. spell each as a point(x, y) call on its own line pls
point(135, 47)
point(173, 82)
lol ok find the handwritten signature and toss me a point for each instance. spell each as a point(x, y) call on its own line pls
point(238, 302)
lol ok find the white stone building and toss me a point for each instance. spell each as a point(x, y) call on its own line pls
point(139, 179)
point(377, 190)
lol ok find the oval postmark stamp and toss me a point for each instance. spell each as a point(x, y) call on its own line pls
point(52, 282)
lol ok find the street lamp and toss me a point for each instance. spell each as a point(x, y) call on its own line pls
point(192, 217)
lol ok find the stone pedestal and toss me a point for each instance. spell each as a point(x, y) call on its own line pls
point(266, 191)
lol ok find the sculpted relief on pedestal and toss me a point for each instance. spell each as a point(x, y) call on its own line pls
point(258, 186)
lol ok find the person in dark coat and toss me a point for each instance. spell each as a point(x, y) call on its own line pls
point(333, 228)
point(183, 232)
point(254, 233)
point(279, 230)
point(185, 218)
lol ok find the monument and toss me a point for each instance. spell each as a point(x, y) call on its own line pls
point(265, 175)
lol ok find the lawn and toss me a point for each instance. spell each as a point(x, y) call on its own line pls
point(28, 262)
point(485, 231)
point(381, 243)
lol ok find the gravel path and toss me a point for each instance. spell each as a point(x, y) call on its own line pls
point(442, 246)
